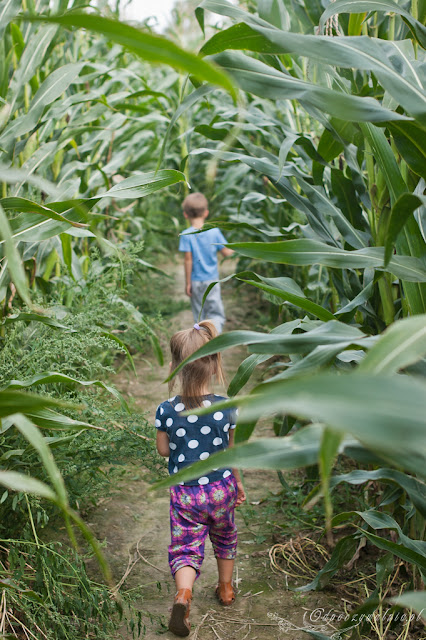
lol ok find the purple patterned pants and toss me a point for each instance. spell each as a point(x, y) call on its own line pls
point(196, 511)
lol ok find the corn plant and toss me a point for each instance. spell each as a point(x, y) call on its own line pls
point(81, 120)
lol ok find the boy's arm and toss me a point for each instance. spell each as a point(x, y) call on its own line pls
point(226, 252)
point(188, 272)
point(241, 496)
point(163, 444)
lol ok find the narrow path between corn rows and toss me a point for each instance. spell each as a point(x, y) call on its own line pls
point(135, 525)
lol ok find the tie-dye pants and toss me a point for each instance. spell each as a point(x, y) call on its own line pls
point(196, 511)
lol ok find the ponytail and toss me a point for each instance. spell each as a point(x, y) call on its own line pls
point(197, 375)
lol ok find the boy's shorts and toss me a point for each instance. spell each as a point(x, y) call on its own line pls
point(196, 511)
point(213, 307)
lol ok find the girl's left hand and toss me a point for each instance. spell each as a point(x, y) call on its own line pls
point(241, 495)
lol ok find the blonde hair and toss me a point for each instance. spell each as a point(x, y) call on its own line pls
point(196, 375)
point(195, 205)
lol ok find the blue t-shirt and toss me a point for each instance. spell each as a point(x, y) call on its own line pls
point(204, 247)
point(193, 438)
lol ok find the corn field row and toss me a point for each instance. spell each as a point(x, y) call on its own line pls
point(304, 123)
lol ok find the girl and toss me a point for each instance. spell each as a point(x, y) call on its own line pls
point(206, 504)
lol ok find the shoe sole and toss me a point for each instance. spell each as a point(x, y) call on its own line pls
point(177, 624)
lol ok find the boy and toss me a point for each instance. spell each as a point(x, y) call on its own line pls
point(200, 264)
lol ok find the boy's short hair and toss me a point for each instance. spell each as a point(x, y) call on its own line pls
point(195, 205)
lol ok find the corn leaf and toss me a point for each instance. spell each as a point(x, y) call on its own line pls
point(21, 482)
point(402, 344)
point(52, 377)
point(146, 45)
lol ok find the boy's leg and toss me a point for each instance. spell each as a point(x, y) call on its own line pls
point(197, 289)
point(213, 307)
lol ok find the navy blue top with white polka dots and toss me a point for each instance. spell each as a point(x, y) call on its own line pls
point(193, 438)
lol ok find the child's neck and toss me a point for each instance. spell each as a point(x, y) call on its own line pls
point(197, 223)
point(205, 391)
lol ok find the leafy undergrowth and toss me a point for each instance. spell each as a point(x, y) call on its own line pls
point(45, 584)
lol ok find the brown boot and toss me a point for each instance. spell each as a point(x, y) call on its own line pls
point(179, 620)
point(225, 593)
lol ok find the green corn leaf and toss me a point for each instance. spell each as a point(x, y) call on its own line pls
point(28, 206)
point(393, 68)
point(327, 454)
point(248, 365)
point(13, 258)
point(32, 229)
point(225, 8)
point(8, 10)
point(186, 104)
point(386, 413)
point(415, 489)
point(399, 550)
point(328, 333)
point(53, 377)
point(13, 401)
point(34, 437)
point(141, 185)
point(67, 252)
point(92, 541)
point(300, 449)
point(21, 482)
point(285, 289)
point(265, 81)
point(401, 211)
point(360, 299)
point(49, 419)
point(319, 357)
point(307, 252)
point(14, 176)
point(355, 23)
point(317, 206)
point(54, 85)
point(149, 47)
point(356, 6)
point(36, 317)
point(332, 333)
point(402, 344)
point(415, 600)
point(410, 241)
point(31, 60)
point(385, 159)
point(410, 140)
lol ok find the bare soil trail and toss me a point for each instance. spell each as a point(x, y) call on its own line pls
point(134, 523)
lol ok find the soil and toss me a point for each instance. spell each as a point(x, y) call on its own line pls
point(134, 523)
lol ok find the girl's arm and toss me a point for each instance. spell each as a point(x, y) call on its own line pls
point(163, 444)
point(241, 495)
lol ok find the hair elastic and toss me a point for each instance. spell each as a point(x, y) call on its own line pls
point(197, 326)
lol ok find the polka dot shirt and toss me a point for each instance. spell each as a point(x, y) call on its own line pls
point(193, 438)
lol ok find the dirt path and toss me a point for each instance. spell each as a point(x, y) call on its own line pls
point(135, 525)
